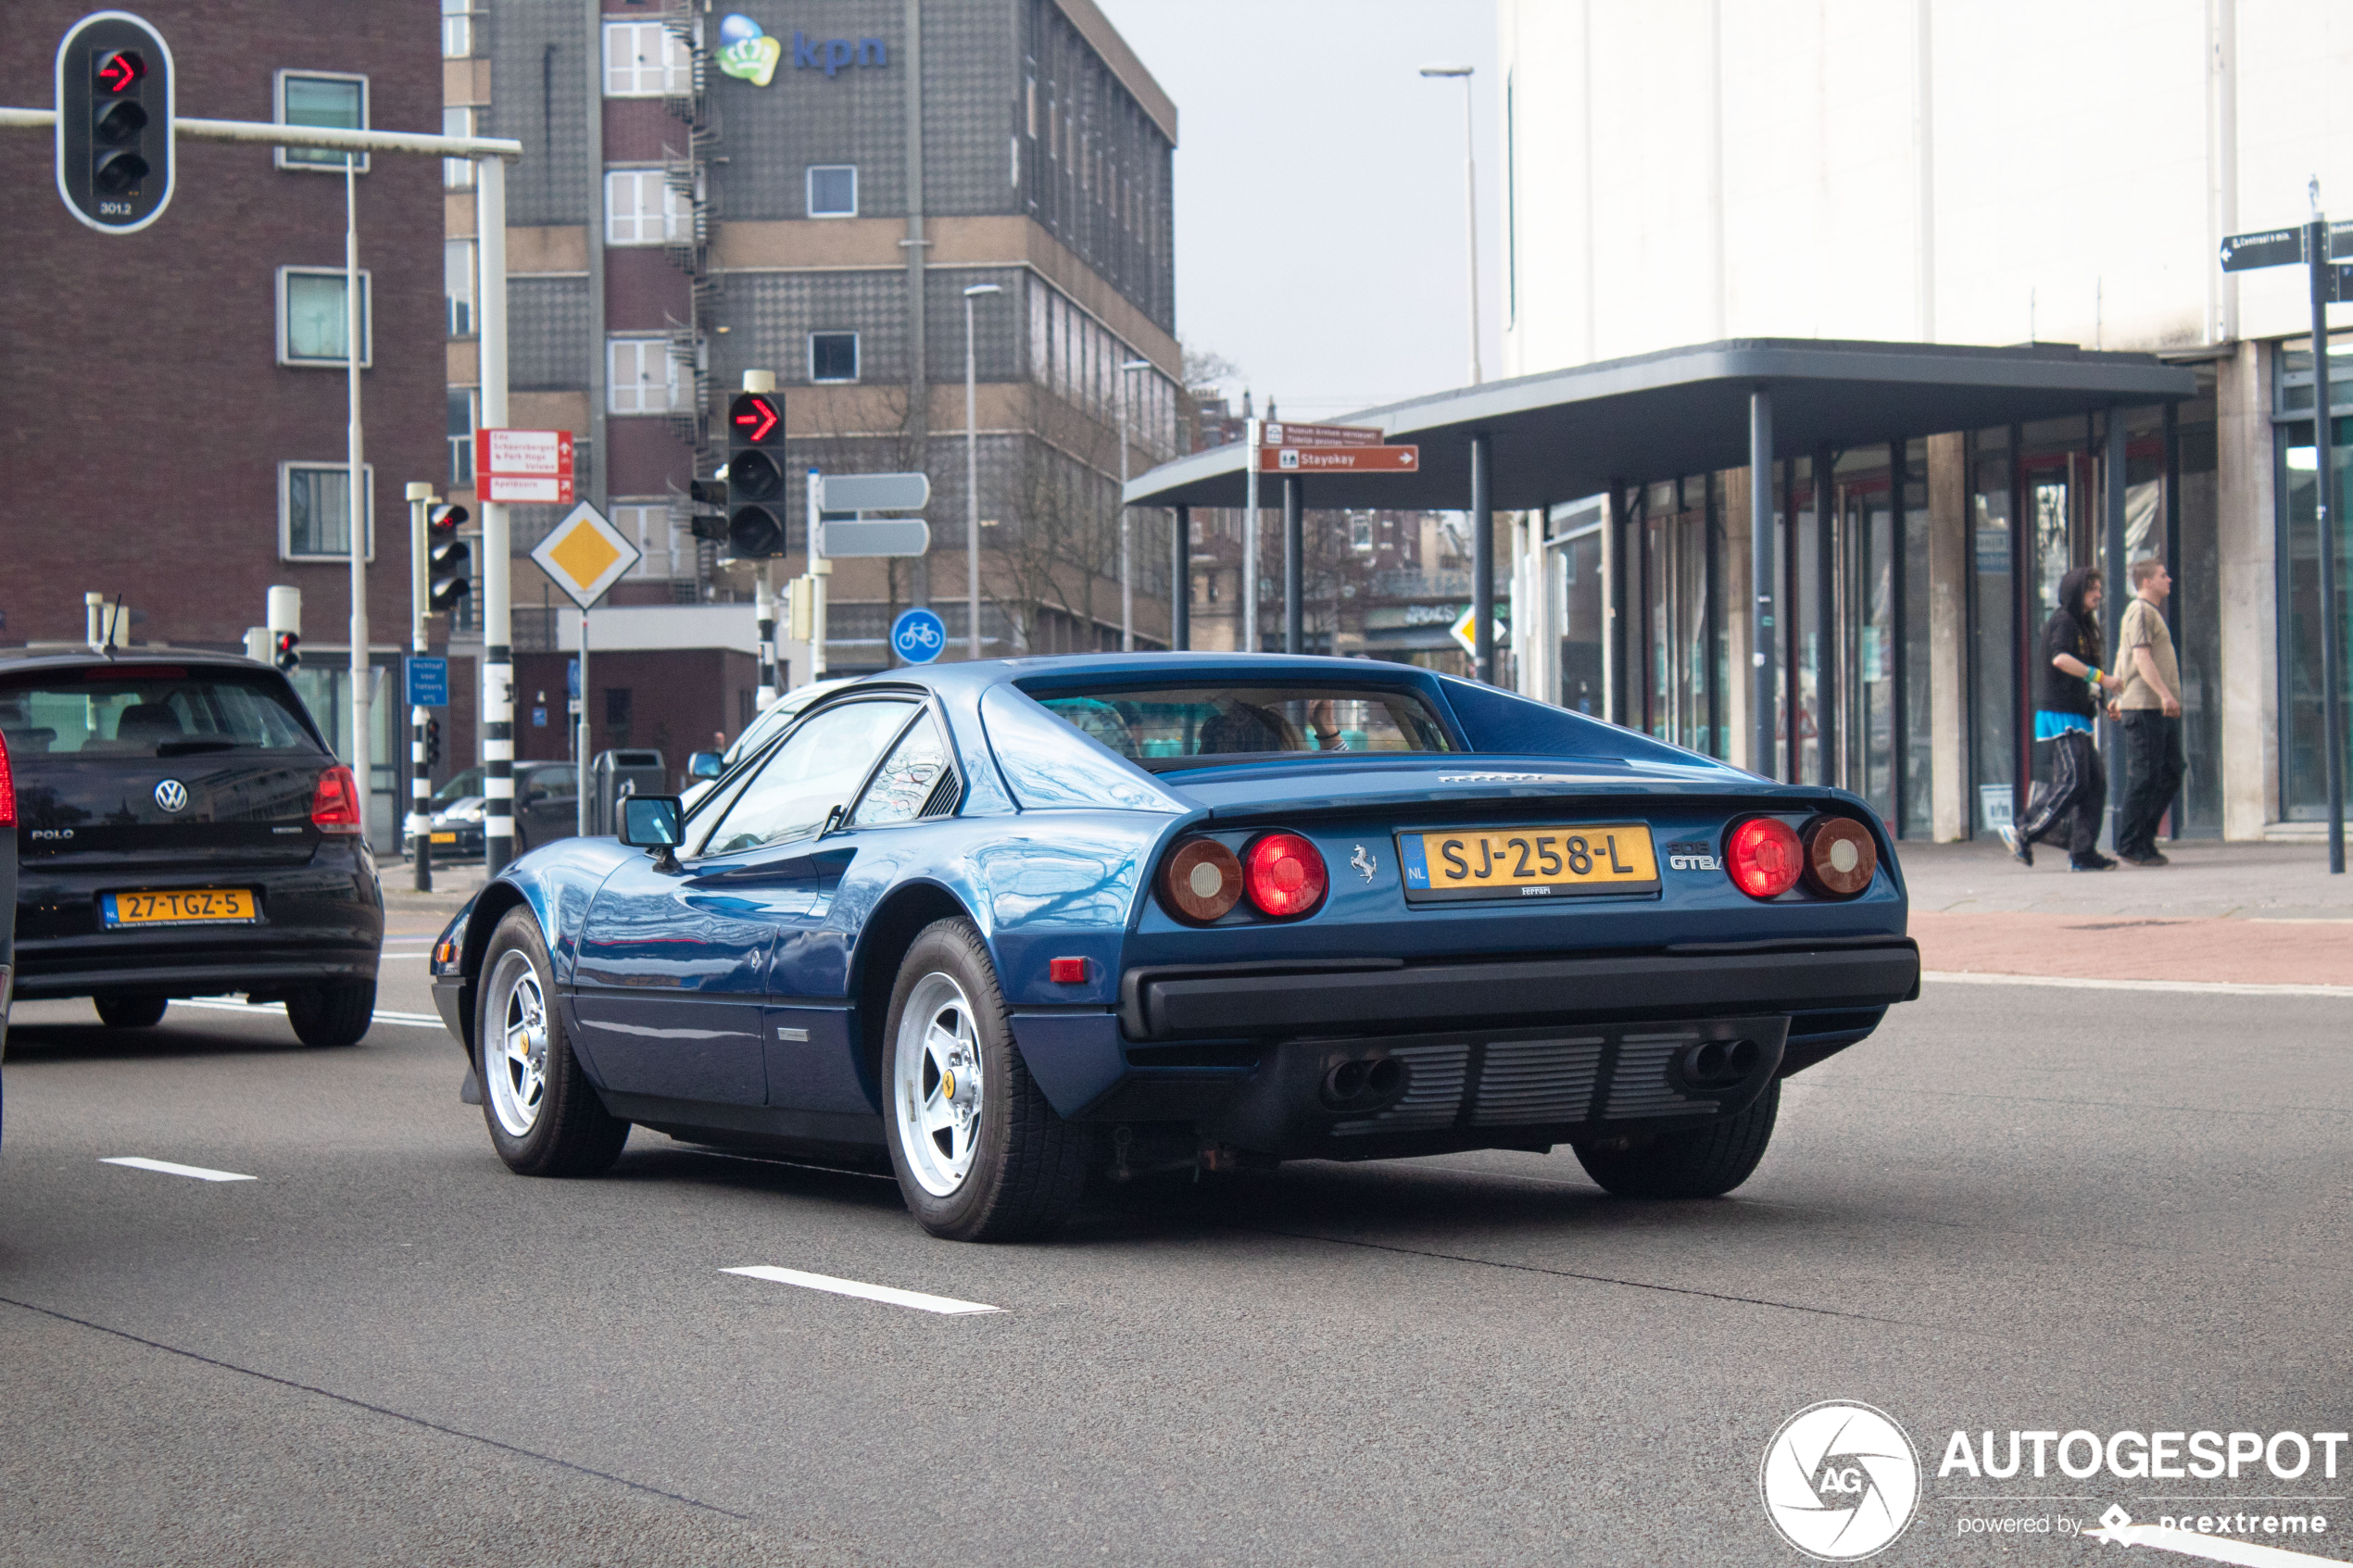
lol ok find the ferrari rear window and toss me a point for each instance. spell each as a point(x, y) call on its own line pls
point(148, 711)
point(1182, 725)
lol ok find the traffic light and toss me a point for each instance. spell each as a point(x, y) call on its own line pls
point(114, 134)
point(711, 525)
point(756, 475)
point(448, 563)
point(432, 743)
point(289, 655)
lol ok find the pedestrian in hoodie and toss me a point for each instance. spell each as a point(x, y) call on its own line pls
point(2073, 794)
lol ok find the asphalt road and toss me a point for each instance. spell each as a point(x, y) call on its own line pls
point(2017, 1207)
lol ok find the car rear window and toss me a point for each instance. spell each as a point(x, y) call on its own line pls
point(148, 711)
point(1181, 726)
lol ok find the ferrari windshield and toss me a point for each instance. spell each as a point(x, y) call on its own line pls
point(1175, 726)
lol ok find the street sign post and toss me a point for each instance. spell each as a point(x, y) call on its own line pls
point(1279, 434)
point(918, 635)
point(874, 493)
point(864, 537)
point(428, 682)
point(870, 538)
point(1463, 627)
point(532, 467)
point(585, 556)
point(1339, 459)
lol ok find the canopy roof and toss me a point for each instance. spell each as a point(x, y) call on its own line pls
point(1567, 433)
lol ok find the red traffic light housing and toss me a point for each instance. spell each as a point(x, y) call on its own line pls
point(287, 655)
point(114, 150)
point(755, 484)
point(119, 71)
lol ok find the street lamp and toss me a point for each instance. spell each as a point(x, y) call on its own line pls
point(972, 478)
point(1126, 536)
point(1470, 201)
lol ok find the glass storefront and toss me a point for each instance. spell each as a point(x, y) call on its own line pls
point(2303, 752)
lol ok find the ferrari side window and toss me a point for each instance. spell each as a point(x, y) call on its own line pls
point(817, 769)
point(906, 780)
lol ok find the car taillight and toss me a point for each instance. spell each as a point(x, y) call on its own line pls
point(1200, 882)
point(7, 788)
point(1763, 858)
point(335, 806)
point(1839, 856)
point(1284, 874)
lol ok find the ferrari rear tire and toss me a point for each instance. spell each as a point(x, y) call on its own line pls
point(543, 1115)
point(129, 1012)
point(980, 1153)
point(333, 1015)
point(1707, 1162)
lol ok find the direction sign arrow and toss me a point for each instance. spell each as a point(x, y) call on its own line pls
point(874, 493)
point(1339, 459)
point(2272, 247)
point(870, 537)
point(1274, 433)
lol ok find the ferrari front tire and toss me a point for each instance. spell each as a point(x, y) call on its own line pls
point(543, 1115)
point(1709, 1162)
point(980, 1153)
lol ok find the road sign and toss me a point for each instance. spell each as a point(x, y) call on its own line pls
point(428, 682)
point(530, 466)
point(873, 493)
point(1339, 459)
point(1461, 632)
point(869, 537)
point(2272, 248)
point(586, 555)
point(918, 635)
point(1273, 434)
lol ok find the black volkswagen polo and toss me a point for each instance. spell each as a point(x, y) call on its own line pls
point(182, 829)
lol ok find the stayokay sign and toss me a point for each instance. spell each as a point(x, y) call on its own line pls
point(748, 53)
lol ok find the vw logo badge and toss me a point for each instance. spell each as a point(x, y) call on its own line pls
point(172, 796)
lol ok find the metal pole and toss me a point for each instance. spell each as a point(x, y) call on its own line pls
point(763, 594)
point(1471, 211)
point(1760, 575)
point(1826, 628)
point(1294, 544)
point(1898, 663)
point(585, 813)
point(420, 770)
point(2023, 640)
point(498, 598)
point(2316, 255)
point(356, 513)
point(2180, 602)
point(1181, 580)
point(1127, 532)
point(1482, 531)
point(819, 569)
point(2114, 600)
point(1712, 630)
point(971, 489)
point(1248, 609)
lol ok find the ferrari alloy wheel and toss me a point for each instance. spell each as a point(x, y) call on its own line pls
point(980, 1154)
point(938, 1081)
point(1709, 1162)
point(543, 1115)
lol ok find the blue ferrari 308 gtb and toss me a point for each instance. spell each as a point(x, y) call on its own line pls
point(1016, 922)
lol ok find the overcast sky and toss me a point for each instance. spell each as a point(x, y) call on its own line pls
point(1319, 190)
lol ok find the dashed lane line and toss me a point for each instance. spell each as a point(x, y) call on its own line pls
point(2086, 982)
point(888, 1295)
point(141, 1162)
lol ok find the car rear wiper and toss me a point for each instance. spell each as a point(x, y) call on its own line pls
point(181, 747)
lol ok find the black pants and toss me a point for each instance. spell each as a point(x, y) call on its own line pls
point(2152, 752)
point(2077, 789)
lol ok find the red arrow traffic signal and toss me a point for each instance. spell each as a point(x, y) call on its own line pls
point(755, 418)
point(121, 71)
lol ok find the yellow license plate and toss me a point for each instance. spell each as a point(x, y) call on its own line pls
point(1529, 862)
point(184, 906)
point(445, 838)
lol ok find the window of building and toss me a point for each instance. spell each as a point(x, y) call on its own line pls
point(463, 402)
point(663, 553)
point(311, 318)
point(833, 190)
point(319, 97)
point(645, 60)
point(314, 510)
point(457, 29)
point(1360, 529)
point(640, 376)
point(457, 173)
point(457, 285)
point(833, 357)
point(643, 208)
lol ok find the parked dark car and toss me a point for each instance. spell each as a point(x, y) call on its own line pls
point(183, 830)
point(7, 890)
point(546, 808)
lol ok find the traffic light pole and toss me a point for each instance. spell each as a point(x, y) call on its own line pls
point(764, 602)
point(420, 767)
point(819, 569)
point(356, 498)
point(498, 597)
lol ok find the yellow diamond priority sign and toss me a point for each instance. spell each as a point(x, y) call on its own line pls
point(586, 555)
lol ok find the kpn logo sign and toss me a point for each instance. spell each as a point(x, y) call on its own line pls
point(1840, 1480)
point(747, 53)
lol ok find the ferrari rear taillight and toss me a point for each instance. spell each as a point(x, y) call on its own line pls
point(1284, 874)
point(336, 806)
point(1201, 881)
point(1839, 856)
point(7, 788)
point(1763, 858)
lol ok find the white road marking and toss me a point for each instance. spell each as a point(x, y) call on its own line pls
point(2215, 988)
point(226, 1004)
point(419, 957)
point(140, 1163)
point(883, 1293)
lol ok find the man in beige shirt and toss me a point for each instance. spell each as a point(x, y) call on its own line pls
point(2149, 711)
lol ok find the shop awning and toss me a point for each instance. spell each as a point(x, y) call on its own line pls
point(1567, 433)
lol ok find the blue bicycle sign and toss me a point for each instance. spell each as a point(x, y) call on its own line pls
point(918, 635)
